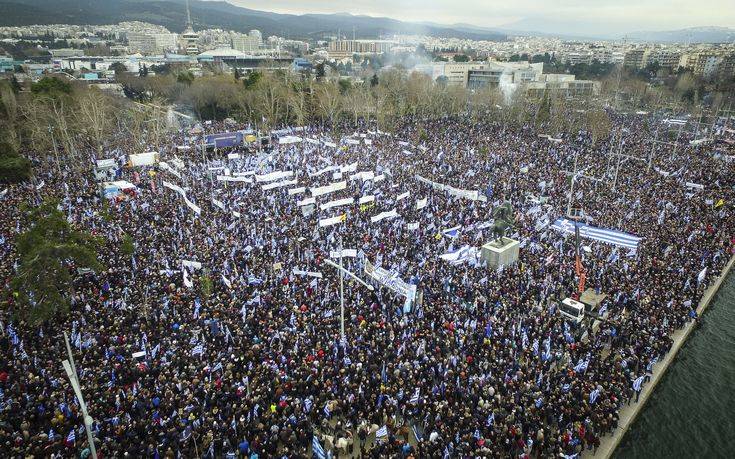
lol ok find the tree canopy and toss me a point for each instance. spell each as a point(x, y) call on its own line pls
point(50, 251)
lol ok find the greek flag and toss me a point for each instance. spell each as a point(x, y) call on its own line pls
point(72, 437)
point(524, 339)
point(637, 383)
point(649, 367)
point(327, 413)
point(382, 432)
point(490, 419)
point(593, 396)
point(607, 236)
point(253, 280)
point(539, 402)
point(51, 434)
point(451, 232)
point(535, 347)
point(477, 434)
point(565, 387)
point(582, 366)
point(348, 362)
point(317, 448)
point(415, 396)
point(217, 367)
point(307, 404)
point(198, 350)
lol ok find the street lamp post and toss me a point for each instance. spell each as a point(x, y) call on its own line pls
point(342, 273)
point(71, 372)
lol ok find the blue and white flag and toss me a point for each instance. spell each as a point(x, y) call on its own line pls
point(607, 236)
point(451, 232)
point(72, 437)
point(382, 432)
point(460, 255)
point(638, 383)
point(253, 280)
point(593, 396)
point(649, 367)
point(535, 346)
point(308, 404)
point(317, 448)
point(327, 413)
point(490, 419)
point(582, 366)
point(415, 396)
point(198, 350)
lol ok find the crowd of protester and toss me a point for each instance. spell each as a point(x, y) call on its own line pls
point(244, 358)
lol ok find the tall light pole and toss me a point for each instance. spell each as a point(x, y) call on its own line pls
point(342, 273)
point(71, 372)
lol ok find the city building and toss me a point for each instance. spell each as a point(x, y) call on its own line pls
point(248, 43)
point(346, 48)
point(142, 43)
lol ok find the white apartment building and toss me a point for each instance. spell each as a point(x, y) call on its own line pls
point(248, 43)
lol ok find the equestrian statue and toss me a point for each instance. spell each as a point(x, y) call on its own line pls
point(504, 221)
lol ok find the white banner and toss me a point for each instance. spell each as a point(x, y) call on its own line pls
point(271, 186)
point(421, 203)
point(169, 169)
point(337, 203)
point(306, 202)
point(366, 199)
point(298, 190)
point(412, 226)
point(191, 264)
point(403, 196)
point(324, 171)
point(273, 176)
point(299, 272)
point(227, 178)
point(467, 194)
point(176, 188)
point(323, 222)
point(367, 175)
point(197, 210)
point(328, 189)
point(384, 215)
point(349, 168)
point(346, 253)
point(390, 280)
point(219, 204)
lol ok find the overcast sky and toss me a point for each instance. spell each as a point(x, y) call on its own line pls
point(570, 16)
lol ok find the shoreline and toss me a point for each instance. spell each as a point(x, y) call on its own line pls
point(628, 413)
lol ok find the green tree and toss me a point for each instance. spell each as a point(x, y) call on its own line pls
point(320, 72)
point(50, 86)
point(461, 58)
point(374, 80)
point(252, 80)
point(185, 77)
point(14, 168)
point(49, 253)
point(119, 68)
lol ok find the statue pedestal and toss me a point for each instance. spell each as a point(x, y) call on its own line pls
point(496, 254)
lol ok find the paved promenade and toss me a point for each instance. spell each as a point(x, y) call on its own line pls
point(629, 413)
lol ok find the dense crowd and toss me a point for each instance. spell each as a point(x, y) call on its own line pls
point(480, 365)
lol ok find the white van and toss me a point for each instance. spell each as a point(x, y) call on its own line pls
point(572, 310)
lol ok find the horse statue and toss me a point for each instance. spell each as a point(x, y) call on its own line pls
point(504, 221)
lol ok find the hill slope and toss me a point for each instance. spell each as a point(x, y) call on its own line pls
point(172, 15)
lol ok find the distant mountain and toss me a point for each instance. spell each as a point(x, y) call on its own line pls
point(218, 14)
point(690, 35)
